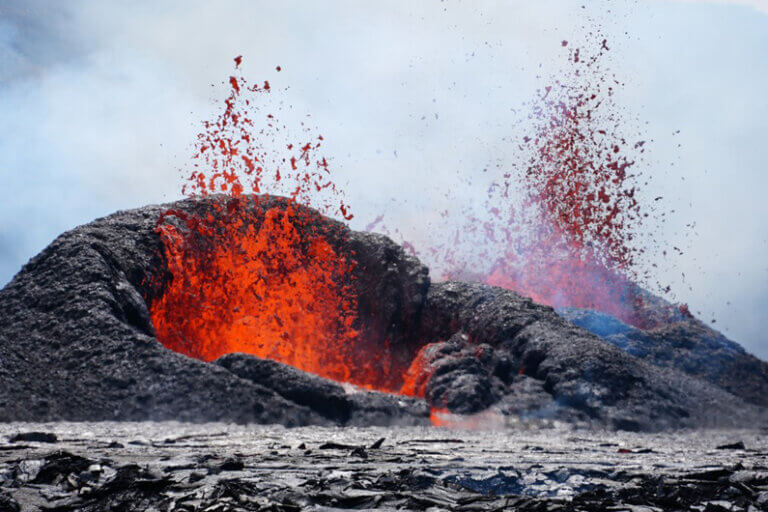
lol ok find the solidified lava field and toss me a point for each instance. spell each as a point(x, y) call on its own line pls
point(535, 467)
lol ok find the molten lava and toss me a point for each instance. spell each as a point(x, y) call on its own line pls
point(259, 276)
point(258, 286)
point(579, 202)
point(416, 377)
point(244, 150)
point(562, 227)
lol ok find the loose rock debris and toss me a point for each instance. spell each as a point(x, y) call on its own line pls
point(218, 467)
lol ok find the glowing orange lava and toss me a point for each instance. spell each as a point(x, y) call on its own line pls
point(439, 417)
point(416, 377)
point(260, 275)
point(264, 286)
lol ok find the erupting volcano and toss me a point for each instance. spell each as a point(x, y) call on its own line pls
point(266, 283)
point(273, 300)
point(259, 341)
point(269, 283)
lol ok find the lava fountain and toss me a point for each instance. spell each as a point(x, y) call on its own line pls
point(263, 279)
point(562, 225)
point(267, 286)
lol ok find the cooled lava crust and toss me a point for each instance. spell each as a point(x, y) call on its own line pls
point(77, 342)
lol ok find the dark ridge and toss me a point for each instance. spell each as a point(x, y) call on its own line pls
point(685, 344)
point(77, 343)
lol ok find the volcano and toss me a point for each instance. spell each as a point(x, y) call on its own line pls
point(255, 309)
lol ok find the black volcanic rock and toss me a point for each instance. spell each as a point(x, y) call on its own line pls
point(325, 397)
point(77, 343)
point(584, 378)
point(686, 344)
point(33, 437)
point(464, 377)
point(214, 467)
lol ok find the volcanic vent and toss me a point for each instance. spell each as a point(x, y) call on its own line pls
point(232, 305)
point(266, 277)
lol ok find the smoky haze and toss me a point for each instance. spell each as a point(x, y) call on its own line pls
point(100, 103)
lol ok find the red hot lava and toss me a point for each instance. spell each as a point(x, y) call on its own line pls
point(580, 205)
point(262, 278)
point(263, 285)
point(570, 240)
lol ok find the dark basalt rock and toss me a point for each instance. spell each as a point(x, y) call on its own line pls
point(259, 468)
point(586, 379)
point(464, 376)
point(34, 437)
point(685, 344)
point(77, 343)
point(8, 504)
point(325, 397)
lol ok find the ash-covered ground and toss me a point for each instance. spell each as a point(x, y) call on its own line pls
point(537, 466)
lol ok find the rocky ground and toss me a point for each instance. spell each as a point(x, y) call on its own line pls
point(537, 466)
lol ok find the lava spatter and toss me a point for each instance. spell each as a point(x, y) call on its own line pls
point(244, 150)
point(579, 215)
point(255, 278)
point(562, 223)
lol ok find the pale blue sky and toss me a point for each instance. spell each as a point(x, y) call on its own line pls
point(100, 101)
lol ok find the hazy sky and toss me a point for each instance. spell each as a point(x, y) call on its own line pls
point(100, 102)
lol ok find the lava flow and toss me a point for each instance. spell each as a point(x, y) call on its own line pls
point(255, 275)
